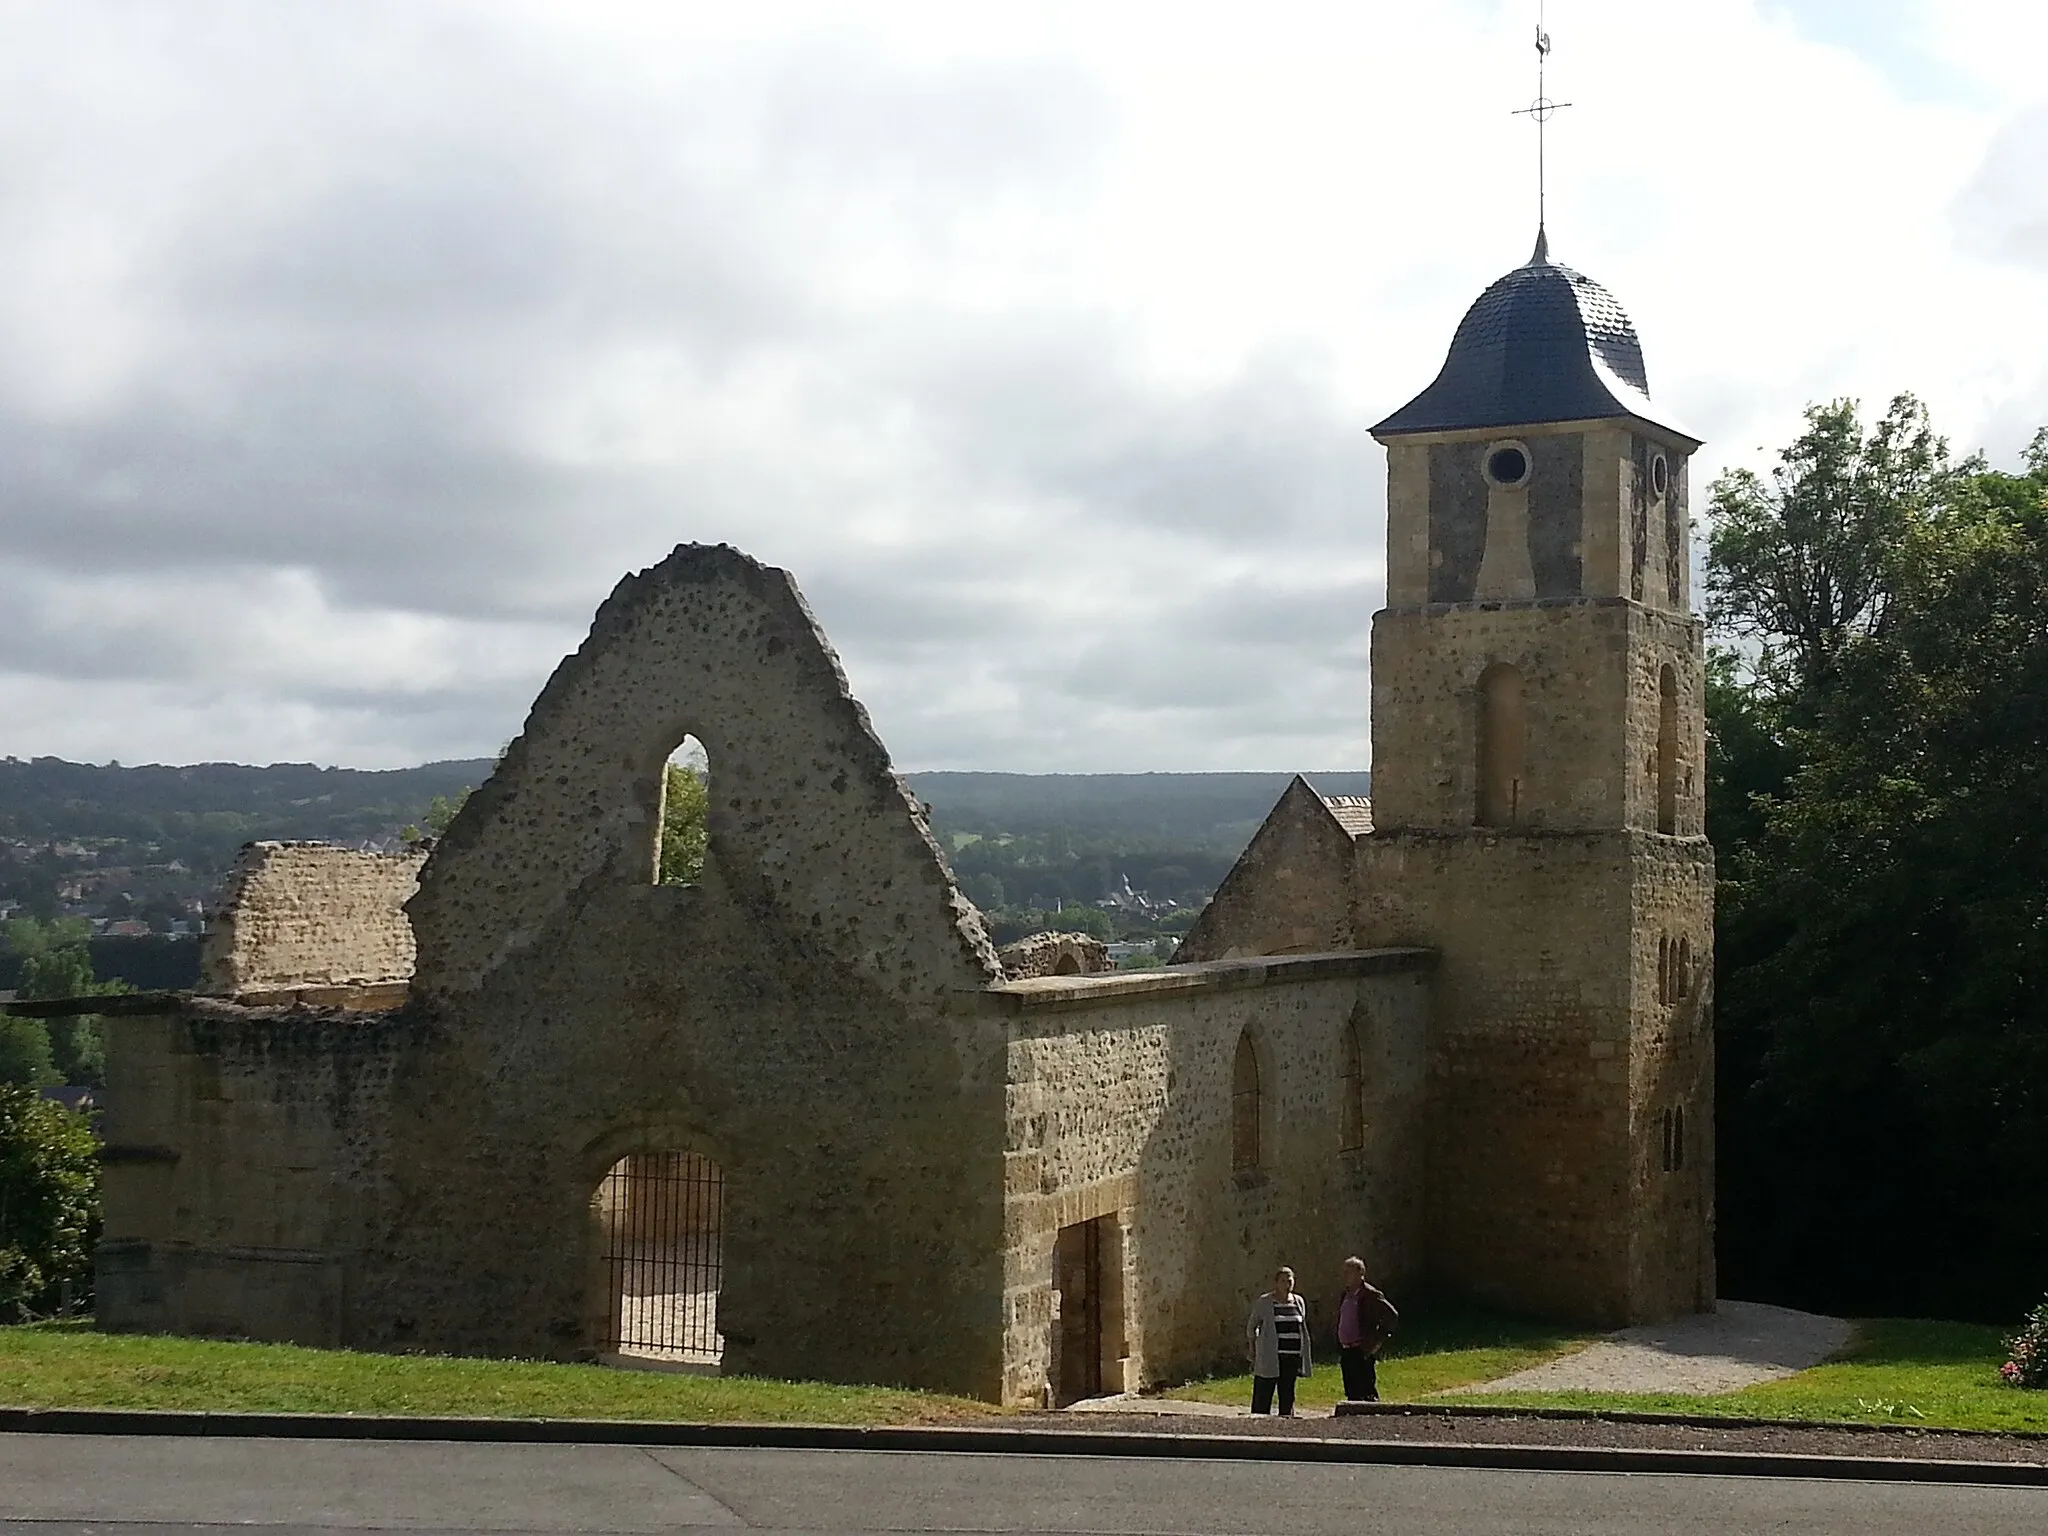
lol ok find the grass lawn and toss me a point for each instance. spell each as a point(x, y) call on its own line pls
point(1446, 1347)
point(68, 1365)
point(1899, 1371)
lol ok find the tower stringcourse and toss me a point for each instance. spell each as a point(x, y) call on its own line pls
point(1538, 728)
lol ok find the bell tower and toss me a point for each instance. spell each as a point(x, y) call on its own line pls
point(1538, 732)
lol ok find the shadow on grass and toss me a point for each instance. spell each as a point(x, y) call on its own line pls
point(1441, 1344)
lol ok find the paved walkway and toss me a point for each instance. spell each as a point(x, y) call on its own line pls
point(1737, 1345)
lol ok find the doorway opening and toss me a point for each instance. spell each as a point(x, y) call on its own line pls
point(660, 1216)
point(1087, 1267)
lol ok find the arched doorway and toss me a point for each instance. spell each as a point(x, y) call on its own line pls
point(660, 1217)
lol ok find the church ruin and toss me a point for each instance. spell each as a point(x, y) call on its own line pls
point(449, 1105)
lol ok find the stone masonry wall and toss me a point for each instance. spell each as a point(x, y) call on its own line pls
point(1288, 893)
point(245, 1159)
point(296, 915)
point(1120, 1106)
point(807, 1015)
point(1054, 954)
point(1537, 1132)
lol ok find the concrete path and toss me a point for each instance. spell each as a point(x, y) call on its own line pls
point(70, 1485)
point(1737, 1345)
point(1131, 1402)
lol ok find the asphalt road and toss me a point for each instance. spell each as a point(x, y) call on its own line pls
point(55, 1485)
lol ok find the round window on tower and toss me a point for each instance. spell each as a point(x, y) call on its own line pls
point(1507, 465)
point(1660, 474)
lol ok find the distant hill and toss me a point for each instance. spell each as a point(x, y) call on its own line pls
point(1218, 810)
point(151, 844)
point(47, 797)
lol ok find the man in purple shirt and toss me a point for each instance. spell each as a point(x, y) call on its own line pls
point(1365, 1321)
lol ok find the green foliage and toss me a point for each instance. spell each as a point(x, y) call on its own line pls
point(55, 961)
point(25, 1057)
point(685, 805)
point(1929, 1375)
point(1878, 795)
point(2027, 1351)
point(49, 1202)
point(1802, 564)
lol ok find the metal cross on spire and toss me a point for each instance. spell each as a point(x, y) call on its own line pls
point(1540, 112)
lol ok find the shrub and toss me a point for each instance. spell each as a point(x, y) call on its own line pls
point(49, 1203)
point(2028, 1366)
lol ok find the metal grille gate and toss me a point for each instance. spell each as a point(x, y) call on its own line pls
point(660, 1213)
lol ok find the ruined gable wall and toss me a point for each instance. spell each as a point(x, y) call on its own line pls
point(803, 1016)
point(1119, 1106)
point(805, 811)
point(1288, 892)
point(297, 915)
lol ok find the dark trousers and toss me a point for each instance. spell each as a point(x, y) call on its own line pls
point(1361, 1374)
point(1262, 1387)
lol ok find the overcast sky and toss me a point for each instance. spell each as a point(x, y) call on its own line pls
point(349, 353)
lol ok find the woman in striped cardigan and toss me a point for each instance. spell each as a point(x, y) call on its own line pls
point(1277, 1331)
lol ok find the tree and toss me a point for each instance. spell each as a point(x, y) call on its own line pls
point(1803, 563)
point(56, 961)
point(25, 1059)
point(1882, 807)
point(685, 805)
point(49, 1203)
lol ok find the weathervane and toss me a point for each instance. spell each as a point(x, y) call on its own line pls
point(1540, 110)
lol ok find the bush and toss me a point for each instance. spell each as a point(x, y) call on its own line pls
point(2028, 1366)
point(49, 1204)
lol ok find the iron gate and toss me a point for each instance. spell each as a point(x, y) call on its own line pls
point(661, 1212)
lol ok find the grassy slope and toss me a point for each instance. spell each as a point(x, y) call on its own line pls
point(1447, 1348)
point(1936, 1375)
point(67, 1365)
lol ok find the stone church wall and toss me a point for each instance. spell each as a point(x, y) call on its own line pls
point(1120, 1107)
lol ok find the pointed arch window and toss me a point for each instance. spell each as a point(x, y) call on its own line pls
point(1351, 1084)
point(1244, 1106)
point(1667, 750)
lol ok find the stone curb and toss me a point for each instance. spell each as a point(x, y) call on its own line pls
point(1029, 1442)
point(1418, 1410)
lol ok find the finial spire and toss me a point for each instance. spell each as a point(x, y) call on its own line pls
point(1540, 111)
point(1541, 256)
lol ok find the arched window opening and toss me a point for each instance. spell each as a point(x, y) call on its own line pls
point(1667, 750)
point(1244, 1106)
point(660, 1219)
point(1672, 1126)
point(1502, 740)
point(1681, 974)
point(1664, 969)
point(685, 809)
point(1351, 1085)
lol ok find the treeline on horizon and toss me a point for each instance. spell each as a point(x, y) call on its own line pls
point(1029, 848)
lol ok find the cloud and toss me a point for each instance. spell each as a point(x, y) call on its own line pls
point(349, 357)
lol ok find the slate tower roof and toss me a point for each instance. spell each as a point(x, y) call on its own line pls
point(1542, 344)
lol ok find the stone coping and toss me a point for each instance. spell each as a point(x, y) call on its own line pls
point(1043, 994)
